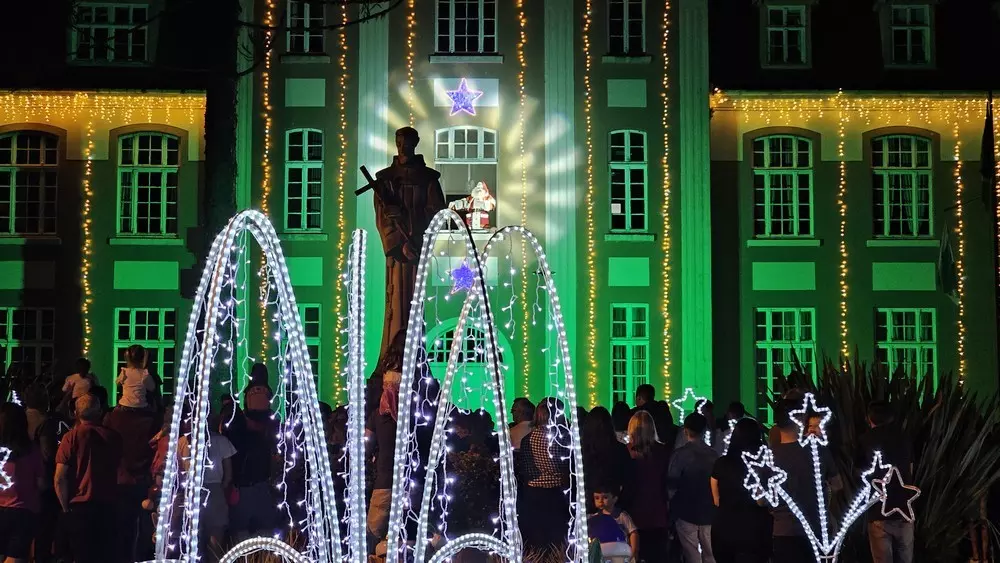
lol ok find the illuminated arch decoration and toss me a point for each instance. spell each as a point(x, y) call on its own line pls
point(198, 360)
point(510, 546)
point(266, 545)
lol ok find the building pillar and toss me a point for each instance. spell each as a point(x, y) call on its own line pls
point(561, 201)
point(373, 91)
point(692, 142)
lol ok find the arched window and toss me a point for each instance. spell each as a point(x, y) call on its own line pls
point(303, 180)
point(901, 186)
point(782, 186)
point(29, 170)
point(466, 156)
point(627, 169)
point(147, 184)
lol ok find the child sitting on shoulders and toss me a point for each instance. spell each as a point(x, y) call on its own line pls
point(134, 379)
point(76, 385)
point(606, 501)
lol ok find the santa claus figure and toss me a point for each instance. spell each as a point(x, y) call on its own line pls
point(476, 207)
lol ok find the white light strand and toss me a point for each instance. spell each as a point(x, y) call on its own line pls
point(6, 481)
point(689, 395)
point(881, 485)
point(355, 448)
point(251, 546)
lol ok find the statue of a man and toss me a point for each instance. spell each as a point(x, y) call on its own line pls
point(408, 195)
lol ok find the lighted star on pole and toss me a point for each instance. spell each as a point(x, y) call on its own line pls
point(894, 480)
point(6, 481)
point(878, 467)
point(688, 395)
point(801, 418)
point(462, 278)
point(463, 98)
point(763, 462)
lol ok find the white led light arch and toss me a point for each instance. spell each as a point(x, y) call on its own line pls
point(197, 362)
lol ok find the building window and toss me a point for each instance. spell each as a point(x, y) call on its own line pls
point(785, 36)
point(309, 314)
point(109, 32)
point(27, 339)
point(156, 331)
point(29, 171)
point(901, 182)
point(907, 340)
point(305, 27)
point(782, 187)
point(627, 169)
point(782, 336)
point(473, 386)
point(147, 184)
point(629, 350)
point(909, 35)
point(467, 27)
point(626, 27)
point(304, 180)
point(466, 156)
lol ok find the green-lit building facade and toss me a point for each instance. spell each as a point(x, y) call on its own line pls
point(707, 197)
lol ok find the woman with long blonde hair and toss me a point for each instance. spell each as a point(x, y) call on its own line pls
point(645, 491)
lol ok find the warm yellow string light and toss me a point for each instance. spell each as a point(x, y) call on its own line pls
point(265, 165)
point(60, 108)
point(341, 191)
point(591, 246)
point(665, 208)
point(88, 240)
point(411, 34)
point(526, 316)
point(960, 261)
point(843, 118)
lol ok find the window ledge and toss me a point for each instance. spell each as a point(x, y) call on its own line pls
point(784, 242)
point(304, 237)
point(447, 58)
point(145, 241)
point(627, 59)
point(27, 241)
point(629, 237)
point(903, 242)
point(304, 58)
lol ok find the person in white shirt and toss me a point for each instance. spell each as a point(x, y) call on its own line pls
point(77, 385)
point(522, 413)
point(134, 379)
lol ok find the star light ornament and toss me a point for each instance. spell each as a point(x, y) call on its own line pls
point(769, 488)
point(463, 98)
point(6, 481)
point(688, 396)
point(462, 278)
point(894, 480)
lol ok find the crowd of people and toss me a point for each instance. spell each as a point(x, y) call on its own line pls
point(81, 481)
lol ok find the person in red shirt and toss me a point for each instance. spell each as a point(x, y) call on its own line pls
point(22, 479)
point(86, 483)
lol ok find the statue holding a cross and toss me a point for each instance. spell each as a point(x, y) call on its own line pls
point(407, 196)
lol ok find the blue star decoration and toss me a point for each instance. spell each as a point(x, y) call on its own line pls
point(897, 497)
point(462, 278)
point(463, 98)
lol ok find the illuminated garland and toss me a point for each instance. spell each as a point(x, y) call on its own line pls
point(665, 207)
point(341, 203)
point(87, 250)
point(960, 259)
point(842, 208)
point(411, 34)
point(591, 244)
point(265, 163)
point(523, 97)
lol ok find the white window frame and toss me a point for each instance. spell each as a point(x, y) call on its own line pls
point(41, 348)
point(786, 30)
point(768, 196)
point(627, 166)
point(635, 347)
point(314, 341)
point(169, 192)
point(47, 147)
point(448, 35)
point(622, 45)
point(804, 349)
point(486, 147)
point(888, 180)
point(918, 345)
point(303, 25)
point(130, 28)
point(161, 345)
point(304, 165)
point(910, 29)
